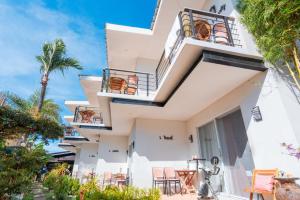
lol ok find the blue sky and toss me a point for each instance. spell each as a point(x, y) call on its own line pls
point(26, 25)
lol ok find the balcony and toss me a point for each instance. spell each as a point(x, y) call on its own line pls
point(197, 38)
point(87, 116)
point(130, 83)
point(199, 25)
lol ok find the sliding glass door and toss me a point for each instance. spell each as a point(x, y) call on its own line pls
point(236, 153)
point(209, 147)
point(227, 139)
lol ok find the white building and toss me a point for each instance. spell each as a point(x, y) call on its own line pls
point(192, 85)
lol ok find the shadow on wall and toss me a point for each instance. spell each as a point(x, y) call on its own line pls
point(161, 140)
point(251, 100)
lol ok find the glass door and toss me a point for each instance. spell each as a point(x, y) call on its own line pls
point(236, 153)
point(209, 147)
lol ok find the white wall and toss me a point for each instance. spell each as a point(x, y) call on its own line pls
point(87, 160)
point(108, 159)
point(265, 136)
point(151, 151)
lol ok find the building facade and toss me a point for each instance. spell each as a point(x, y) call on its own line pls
point(193, 85)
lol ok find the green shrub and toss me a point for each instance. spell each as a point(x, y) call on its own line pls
point(93, 192)
point(60, 185)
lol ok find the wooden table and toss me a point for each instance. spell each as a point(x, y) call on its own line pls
point(186, 177)
point(287, 189)
point(120, 179)
point(86, 116)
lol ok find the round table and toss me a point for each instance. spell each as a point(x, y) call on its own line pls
point(287, 189)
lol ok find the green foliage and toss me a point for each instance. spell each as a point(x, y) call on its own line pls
point(50, 108)
point(18, 167)
point(54, 58)
point(93, 192)
point(15, 123)
point(275, 25)
point(61, 185)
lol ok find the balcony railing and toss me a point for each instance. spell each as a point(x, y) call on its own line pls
point(199, 25)
point(88, 115)
point(128, 82)
point(70, 131)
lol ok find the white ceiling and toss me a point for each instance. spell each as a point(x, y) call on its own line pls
point(205, 85)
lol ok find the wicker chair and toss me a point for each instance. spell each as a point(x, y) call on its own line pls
point(117, 84)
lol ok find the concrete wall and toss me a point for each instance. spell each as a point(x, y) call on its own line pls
point(112, 154)
point(265, 137)
point(87, 160)
point(151, 151)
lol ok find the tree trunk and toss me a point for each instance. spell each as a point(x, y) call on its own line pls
point(296, 60)
point(293, 76)
point(44, 83)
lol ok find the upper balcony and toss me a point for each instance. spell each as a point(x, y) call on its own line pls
point(196, 38)
point(131, 83)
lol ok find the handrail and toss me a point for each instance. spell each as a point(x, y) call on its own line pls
point(220, 29)
point(128, 82)
point(88, 117)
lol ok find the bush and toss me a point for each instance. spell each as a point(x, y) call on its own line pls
point(18, 167)
point(93, 192)
point(61, 185)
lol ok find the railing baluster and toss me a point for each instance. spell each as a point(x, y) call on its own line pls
point(147, 84)
point(103, 80)
point(192, 23)
point(228, 32)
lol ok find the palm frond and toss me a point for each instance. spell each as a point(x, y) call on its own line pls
point(17, 102)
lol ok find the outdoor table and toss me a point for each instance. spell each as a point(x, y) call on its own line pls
point(287, 189)
point(186, 177)
point(86, 116)
point(120, 179)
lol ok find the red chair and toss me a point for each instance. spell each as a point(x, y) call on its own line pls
point(171, 177)
point(158, 177)
point(107, 178)
point(263, 183)
point(220, 33)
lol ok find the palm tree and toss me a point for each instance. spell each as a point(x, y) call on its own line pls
point(50, 109)
point(54, 59)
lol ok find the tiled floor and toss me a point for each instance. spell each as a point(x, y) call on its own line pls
point(180, 197)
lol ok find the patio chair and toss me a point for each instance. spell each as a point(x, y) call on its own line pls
point(263, 183)
point(202, 30)
point(132, 84)
point(117, 84)
point(158, 177)
point(107, 178)
point(220, 33)
point(171, 177)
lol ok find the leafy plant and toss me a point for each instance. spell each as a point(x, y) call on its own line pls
point(93, 192)
point(16, 123)
point(18, 167)
point(53, 58)
point(50, 109)
point(275, 25)
point(61, 185)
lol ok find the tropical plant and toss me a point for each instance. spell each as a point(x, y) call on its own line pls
point(275, 25)
point(16, 124)
point(18, 167)
point(91, 191)
point(53, 58)
point(61, 186)
point(50, 109)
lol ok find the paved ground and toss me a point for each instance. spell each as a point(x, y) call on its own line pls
point(37, 191)
point(180, 197)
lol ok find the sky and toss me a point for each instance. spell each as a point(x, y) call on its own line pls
point(26, 24)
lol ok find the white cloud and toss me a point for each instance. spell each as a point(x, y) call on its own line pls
point(24, 27)
point(23, 30)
